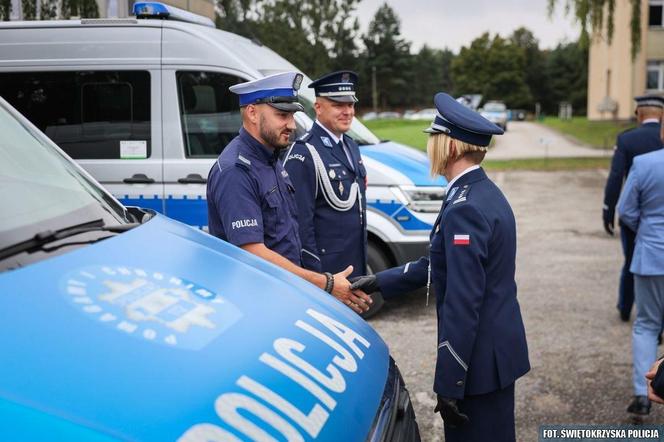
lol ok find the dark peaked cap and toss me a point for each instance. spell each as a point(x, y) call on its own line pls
point(337, 86)
point(461, 123)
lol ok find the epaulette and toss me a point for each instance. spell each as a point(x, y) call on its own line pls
point(243, 162)
point(458, 194)
point(304, 138)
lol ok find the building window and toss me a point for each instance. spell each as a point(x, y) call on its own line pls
point(655, 15)
point(655, 76)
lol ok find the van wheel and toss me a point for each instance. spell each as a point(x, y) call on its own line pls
point(376, 262)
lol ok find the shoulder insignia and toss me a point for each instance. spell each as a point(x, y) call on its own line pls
point(304, 138)
point(243, 162)
point(462, 195)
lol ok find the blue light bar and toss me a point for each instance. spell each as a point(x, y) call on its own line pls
point(163, 11)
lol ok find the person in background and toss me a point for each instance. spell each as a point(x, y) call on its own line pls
point(630, 144)
point(641, 209)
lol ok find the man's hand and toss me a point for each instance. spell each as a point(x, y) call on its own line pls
point(650, 376)
point(607, 218)
point(366, 283)
point(357, 300)
point(450, 412)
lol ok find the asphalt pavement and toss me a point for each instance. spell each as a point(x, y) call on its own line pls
point(567, 276)
point(525, 139)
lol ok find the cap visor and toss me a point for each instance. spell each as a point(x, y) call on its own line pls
point(288, 107)
point(431, 130)
point(343, 98)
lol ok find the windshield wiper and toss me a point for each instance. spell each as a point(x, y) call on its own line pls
point(48, 236)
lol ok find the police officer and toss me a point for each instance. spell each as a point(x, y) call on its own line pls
point(481, 338)
point(329, 178)
point(251, 200)
point(629, 144)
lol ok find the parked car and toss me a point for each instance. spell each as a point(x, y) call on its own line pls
point(424, 114)
point(369, 116)
point(496, 112)
point(143, 105)
point(389, 115)
point(123, 324)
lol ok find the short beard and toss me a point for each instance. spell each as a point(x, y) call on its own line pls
point(271, 138)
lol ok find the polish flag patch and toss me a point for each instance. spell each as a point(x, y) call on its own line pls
point(461, 240)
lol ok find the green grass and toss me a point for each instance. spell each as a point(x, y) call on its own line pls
point(410, 133)
point(548, 164)
point(598, 134)
point(402, 131)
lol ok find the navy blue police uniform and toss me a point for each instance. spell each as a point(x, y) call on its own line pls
point(629, 144)
point(330, 186)
point(482, 347)
point(250, 196)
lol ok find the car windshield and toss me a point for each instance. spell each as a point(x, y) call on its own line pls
point(494, 107)
point(40, 188)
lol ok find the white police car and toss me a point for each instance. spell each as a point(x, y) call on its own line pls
point(143, 105)
point(121, 324)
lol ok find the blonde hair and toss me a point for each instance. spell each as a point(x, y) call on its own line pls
point(439, 147)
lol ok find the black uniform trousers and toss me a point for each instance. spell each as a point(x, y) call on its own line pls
point(626, 292)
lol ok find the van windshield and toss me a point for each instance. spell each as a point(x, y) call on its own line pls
point(41, 189)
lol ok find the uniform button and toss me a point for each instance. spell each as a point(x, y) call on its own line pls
point(459, 383)
point(322, 250)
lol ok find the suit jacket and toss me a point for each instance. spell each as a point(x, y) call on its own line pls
point(629, 144)
point(481, 338)
point(331, 239)
point(641, 208)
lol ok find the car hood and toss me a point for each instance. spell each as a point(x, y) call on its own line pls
point(391, 163)
point(156, 331)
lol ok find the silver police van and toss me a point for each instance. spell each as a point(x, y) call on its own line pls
point(143, 105)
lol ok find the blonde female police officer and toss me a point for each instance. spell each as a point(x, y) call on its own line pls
point(481, 338)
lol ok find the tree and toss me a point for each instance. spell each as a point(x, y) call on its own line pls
point(567, 68)
point(5, 9)
point(494, 68)
point(29, 8)
point(431, 70)
point(389, 55)
point(591, 14)
point(313, 35)
point(535, 65)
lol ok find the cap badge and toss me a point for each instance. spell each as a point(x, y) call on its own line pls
point(297, 81)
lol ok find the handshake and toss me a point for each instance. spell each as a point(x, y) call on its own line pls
point(353, 292)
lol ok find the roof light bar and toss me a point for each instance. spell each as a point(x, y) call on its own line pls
point(168, 12)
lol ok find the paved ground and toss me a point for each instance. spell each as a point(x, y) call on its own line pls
point(524, 139)
point(567, 274)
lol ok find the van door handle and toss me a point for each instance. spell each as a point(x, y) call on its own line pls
point(138, 178)
point(192, 178)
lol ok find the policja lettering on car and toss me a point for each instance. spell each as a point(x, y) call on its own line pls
point(296, 368)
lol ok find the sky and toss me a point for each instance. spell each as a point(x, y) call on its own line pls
point(455, 23)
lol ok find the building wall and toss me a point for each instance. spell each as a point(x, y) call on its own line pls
point(613, 76)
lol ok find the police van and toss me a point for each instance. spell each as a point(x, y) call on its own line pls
point(119, 323)
point(143, 105)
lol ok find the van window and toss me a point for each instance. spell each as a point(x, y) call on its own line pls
point(210, 113)
point(89, 114)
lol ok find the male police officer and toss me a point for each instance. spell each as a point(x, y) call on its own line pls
point(629, 144)
point(329, 178)
point(482, 346)
point(250, 198)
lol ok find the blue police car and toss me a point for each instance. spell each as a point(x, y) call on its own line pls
point(122, 324)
